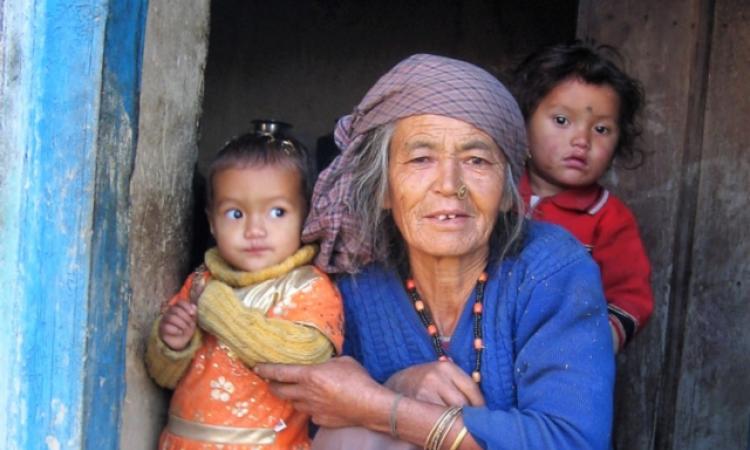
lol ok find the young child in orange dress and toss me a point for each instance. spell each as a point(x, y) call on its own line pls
point(580, 110)
point(256, 299)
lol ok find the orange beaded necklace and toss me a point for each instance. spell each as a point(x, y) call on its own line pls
point(426, 318)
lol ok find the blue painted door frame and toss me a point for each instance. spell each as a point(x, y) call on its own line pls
point(69, 85)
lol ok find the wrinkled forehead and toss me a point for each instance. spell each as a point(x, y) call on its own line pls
point(440, 132)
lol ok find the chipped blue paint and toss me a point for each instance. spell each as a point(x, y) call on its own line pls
point(13, 87)
point(109, 292)
point(71, 77)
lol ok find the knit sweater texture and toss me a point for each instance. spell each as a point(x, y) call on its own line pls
point(548, 366)
point(608, 229)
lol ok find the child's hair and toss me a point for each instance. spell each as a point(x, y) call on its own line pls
point(269, 144)
point(594, 64)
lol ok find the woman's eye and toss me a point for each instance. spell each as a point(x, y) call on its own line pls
point(419, 159)
point(477, 161)
point(233, 214)
point(561, 120)
point(277, 212)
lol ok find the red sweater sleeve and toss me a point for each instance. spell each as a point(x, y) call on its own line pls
point(625, 269)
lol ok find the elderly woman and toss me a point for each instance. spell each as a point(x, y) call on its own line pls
point(467, 327)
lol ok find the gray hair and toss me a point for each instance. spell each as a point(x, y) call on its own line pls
point(369, 171)
point(369, 189)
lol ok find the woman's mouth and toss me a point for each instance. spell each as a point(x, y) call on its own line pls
point(448, 217)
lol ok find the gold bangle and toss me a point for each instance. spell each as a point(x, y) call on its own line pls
point(428, 443)
point(392, 417)
point(429, 438)
point(459, 439)
point(437, 434)
point(446, 429)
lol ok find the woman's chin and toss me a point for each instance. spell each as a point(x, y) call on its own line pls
point(443, 247)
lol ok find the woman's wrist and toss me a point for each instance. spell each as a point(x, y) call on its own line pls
point(382, 410)
point(442, 428)
point(393, 417)
point(431, 426)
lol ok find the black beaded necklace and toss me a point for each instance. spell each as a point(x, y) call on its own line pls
point(426, 318)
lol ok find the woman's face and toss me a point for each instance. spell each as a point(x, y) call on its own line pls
point(430, 158)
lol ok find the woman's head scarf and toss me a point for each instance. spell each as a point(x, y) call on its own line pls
point(420, 84)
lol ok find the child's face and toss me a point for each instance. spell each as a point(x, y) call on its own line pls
point(256, 215)
point(572, 136)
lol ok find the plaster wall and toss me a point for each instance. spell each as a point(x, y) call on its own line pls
point(308, 63)
point(160, 191)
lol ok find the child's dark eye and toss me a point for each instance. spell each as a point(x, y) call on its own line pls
point(233, 214)
point(601, 129)
point(278, 212)
point(561, 120)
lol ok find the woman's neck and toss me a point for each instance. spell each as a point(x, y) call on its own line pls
point(445, 284)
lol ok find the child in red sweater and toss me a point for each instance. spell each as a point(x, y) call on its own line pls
point(580, 110)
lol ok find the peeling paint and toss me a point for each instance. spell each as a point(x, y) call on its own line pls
point(61, 413)
point(54, 153)
point(52, 443)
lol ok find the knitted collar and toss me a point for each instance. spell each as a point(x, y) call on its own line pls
point(575, 199)
point(222, 271)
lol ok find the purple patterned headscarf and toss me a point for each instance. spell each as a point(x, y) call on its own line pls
point(420, 84)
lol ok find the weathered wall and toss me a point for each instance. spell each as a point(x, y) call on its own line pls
point(684, 383)
point(160, 190)
point(310, 62)
point(713, 391)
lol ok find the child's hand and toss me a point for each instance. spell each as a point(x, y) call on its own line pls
point(199, 284)
point(178, 325)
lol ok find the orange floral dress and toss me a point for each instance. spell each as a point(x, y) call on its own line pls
point(219, 402)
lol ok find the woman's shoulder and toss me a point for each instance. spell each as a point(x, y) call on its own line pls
point(548, 248)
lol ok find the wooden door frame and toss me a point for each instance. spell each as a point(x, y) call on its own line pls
point(70, 77)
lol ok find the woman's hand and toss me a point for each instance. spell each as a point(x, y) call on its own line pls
point(440, 382)
point(336, 393)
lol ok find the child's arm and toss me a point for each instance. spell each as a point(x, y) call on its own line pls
point(255, 338)
point(626, 273)
point(174, 337)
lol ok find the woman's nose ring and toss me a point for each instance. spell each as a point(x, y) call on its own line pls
point(462, 191)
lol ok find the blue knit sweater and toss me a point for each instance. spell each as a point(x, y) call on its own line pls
point(548, 368)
